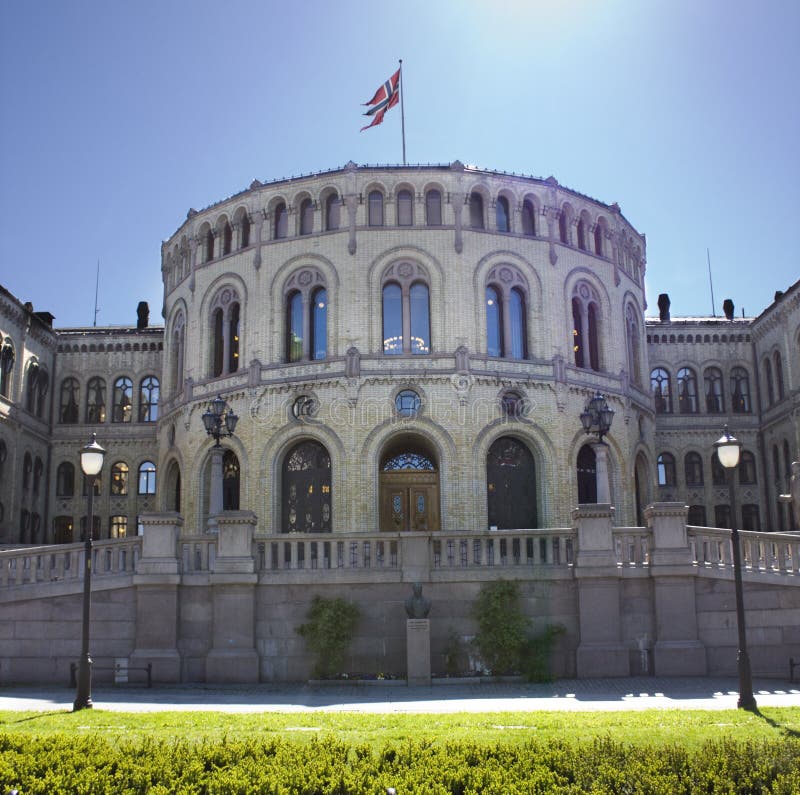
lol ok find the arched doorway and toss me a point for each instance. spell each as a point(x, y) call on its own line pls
point(409, 487)
point(306, 503)
point(587, 475)
point(510, 485)
point(641, 488)
point(230, 481)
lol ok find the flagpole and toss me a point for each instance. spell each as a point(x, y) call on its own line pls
point(402, 111)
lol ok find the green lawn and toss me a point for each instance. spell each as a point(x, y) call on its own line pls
point(688, 728)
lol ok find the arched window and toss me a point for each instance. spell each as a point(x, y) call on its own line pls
point(719, 476)
point(38, 470)
point(406, 312)
point(687, 391)
point(405, 208)
point(118, 486)
point(715, 403)
point(123, 399)
point(68, 403)
point(65, 480)
point(173, 487)
point(281, 221)
point(599, 230)
point(528, 218)
point(148, 399)
point(585, 311)
point(332, 206)
point(633, 339)
point(306, 217)
point(563, 227)
point(178, 339)
point(33, 385)
point(62, 530)
point(778, 375)
point(768, 387)
point(494, 322)
point(740, 391)
point(227, 237)
point(375, 208)
point(306, 316)
point(6, 366)
point(693, 470)
point(230, 481)
point(433, 207)
point(750, 517)
point(208, 245)
point(502, 215)
point(41, 397)
point(96, 400)
point(225, 332)
point(582, 234)
point(696, 516)
point(27, 468)
point(587, 475)
point(476, 210)
point(510, 485)
point(319, 323)
point(665, 466)
point(747, 469)
point(306, 499)
point(244, 230)
point(517, 320)
point(147, 478)
point(659, 383)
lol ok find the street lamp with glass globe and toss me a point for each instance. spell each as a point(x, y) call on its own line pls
point(728, 451)
point(92, 456)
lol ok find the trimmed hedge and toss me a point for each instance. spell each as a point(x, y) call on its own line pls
point(93, 765)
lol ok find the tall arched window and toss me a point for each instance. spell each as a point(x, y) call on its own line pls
point(433, 207)
point(148, 399)
point(123, 399)
point(225, 332)
point(587, 475)
point(375, 208)
point(42, 385)
point(306, 499)
point(230, 481)
point(768, 387)
point(494, 322)
point(65, 480)
point(633, 339)
point(693, 470)
point(208, 245)
point(227, 237)
point(281, 221)
point(147, 478)
point(528, 218)
point(32, 386)
point(599, 231)
point(719, 476)
point(585, 312)
point(715, 403)
point(510, 485)
point(687, 391)
point(582, 234)
point(95, 400)
point(740, 391)
point(476, 210)
point(778, 374)
point(405, 208)
point(6, 366)
point(68, 401)
point(502, 214)
point(563, 227)
point(747, 469)
point(177, 339)
point(665, 466)
point(244, 229)
point(517, 321)
point(332, 213)
point(118, 485)
point(662, 394)
point(306, 316)
point(406, 312)
point(306, 217)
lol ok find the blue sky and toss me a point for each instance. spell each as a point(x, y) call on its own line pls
point(118, 117)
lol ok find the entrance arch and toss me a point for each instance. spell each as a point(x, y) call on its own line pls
point(510, 485)
point(409, 487)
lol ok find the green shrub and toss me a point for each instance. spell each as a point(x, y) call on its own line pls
point(536, 652)
point(328, 633)
point(502, 626)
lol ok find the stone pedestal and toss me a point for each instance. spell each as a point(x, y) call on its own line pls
point(418, 651)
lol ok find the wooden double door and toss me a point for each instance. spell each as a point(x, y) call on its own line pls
point(409, 501)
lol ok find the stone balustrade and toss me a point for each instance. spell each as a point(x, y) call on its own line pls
point(776, 553)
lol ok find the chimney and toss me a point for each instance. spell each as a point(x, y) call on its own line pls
point(727, 308)
point(142, 315)
point(663, 307)
point(778, 295)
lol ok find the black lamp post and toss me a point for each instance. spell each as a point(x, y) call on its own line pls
point(728, 450)
point(597, 416)
point(92, 456)
point(219, 420)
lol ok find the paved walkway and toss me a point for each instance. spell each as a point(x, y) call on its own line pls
point(395, 697)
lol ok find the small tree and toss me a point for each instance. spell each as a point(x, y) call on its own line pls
point(502, 626)
point(328, 633)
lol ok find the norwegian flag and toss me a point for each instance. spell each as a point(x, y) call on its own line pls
point(387, 96)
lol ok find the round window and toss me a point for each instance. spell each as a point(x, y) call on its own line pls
point(407, 403)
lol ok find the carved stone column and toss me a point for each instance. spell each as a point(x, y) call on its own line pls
point(601, 473)
point(215, 496)
point(457, 200)
point(350, 203)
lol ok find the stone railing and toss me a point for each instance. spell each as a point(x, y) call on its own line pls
point(65, 562)
point(327, 551)
point(761, 552)
point(503, 548)
point(632, 546)
point(197, 553)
